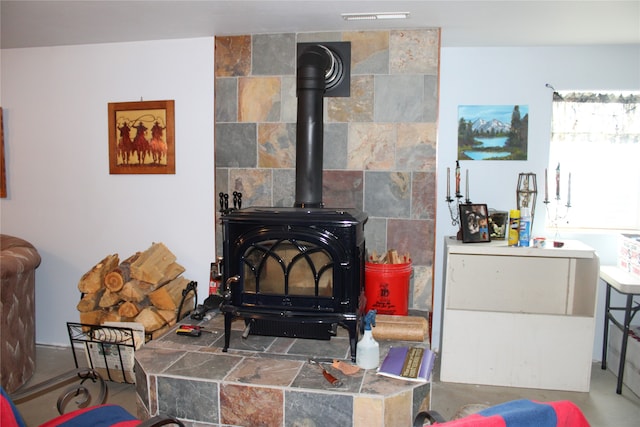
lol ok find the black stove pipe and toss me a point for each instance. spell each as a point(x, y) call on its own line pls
point(313, 64)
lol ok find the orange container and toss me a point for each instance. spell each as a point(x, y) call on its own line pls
point(386, 287)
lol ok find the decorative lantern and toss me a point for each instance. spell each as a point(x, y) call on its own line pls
point(527, 192)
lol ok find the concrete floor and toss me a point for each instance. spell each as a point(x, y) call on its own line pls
point(51, 361)
point(602, 406)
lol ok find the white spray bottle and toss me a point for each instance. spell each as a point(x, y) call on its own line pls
point(368, 349)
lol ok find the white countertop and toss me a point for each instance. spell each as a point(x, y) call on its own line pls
point(571, 249)
point(621, 280)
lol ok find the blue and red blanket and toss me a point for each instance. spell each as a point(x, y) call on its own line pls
point(94, 416)
point(525, 413)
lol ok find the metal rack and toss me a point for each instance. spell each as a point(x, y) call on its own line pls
point(108, 349)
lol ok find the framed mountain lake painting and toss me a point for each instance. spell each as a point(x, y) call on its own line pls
point(493, 132)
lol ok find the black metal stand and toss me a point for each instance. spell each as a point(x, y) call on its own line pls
point(109, 344)
point(80, 394)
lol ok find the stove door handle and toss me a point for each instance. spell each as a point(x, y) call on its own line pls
point(226, 293)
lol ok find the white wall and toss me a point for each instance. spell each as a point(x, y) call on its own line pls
point(508, 76)
point(60, 194)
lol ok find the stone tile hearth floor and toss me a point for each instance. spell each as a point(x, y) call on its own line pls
point(268, 381)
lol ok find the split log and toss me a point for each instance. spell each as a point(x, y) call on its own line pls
point(129, 309)
point(150, 319)
point(89, 302)
point(115, 279)
point(93, 280)
point(173, 270)
point(94, 317)
point(159, 332)
point(168, 297)
point(169, 316)
point(392, 257)
point(151, 266)
point(400, 328)
point(111, 315)
point(130, 293)
point(136, 290)
point(109, 299)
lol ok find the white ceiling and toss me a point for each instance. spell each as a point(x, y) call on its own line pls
point(29, 23)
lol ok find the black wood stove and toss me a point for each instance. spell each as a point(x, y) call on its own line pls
point(299, 272)
point(294, 272)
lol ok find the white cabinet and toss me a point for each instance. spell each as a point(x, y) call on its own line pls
point(520, 317)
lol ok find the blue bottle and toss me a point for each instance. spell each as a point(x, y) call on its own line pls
point(524, 235)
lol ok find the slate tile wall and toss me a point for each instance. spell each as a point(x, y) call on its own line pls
point(379, 144)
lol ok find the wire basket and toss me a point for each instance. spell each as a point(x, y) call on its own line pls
point(107, 349)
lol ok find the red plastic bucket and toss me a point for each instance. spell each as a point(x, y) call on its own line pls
point(386, 287)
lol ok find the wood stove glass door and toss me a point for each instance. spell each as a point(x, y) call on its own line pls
point(288, 267)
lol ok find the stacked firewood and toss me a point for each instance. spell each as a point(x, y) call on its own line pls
point(146, 288)
point(389, 257)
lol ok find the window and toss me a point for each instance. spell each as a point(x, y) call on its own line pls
point(595, 138)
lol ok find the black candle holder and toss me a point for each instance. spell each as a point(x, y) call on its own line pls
point(454, 211)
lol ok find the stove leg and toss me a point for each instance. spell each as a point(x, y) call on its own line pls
point(353, 338)
point(228, 318)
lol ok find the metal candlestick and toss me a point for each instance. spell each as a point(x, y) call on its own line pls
point(455, 212)
point(557, 212)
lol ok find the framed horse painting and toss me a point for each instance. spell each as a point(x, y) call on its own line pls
point(141, 137)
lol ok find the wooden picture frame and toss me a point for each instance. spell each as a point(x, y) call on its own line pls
point(3, 171)
point(474, 223)
point(503, 135)
point(142, 137)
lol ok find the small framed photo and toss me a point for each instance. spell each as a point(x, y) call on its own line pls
point(474, 223)
point(141, 137)
point(498, 223)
